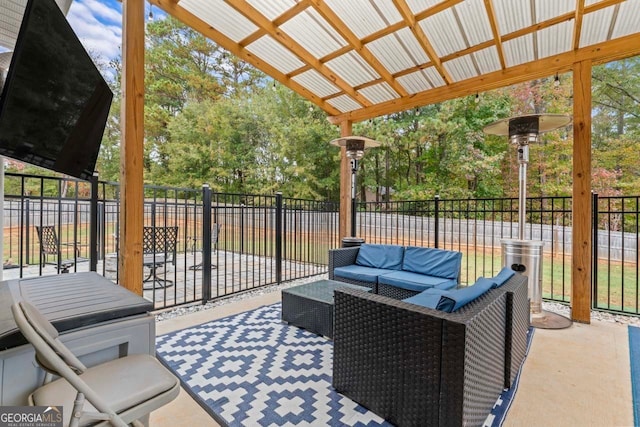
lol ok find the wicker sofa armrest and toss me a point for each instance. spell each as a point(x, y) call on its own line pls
point(518, 316)
point(342, 257)
point(417, 366)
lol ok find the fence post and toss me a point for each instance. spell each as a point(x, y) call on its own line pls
point(206, 243)
point(436, 213)
point(93, 224)
point(27, 228)
point(594, 250)
point(278, 237)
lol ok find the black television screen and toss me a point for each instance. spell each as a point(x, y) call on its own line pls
point(55, 103)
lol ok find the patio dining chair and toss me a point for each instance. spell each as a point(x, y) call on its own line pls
point(50, 246)
point(119, 392)
point(215, 232)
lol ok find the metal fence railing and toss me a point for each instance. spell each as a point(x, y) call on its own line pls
point(476, 227)
point(258, 240)
point(261, 240)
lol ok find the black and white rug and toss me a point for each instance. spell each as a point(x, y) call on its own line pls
point(251, 369)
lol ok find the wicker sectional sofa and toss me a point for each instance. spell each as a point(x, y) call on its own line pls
point(396, 271)
point(416, 366)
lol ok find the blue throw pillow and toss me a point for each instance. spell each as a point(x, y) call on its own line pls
point(501, 278)
point(463, 296)
point(428, 298)
point(380, 256)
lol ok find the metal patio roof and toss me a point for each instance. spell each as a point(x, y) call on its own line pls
point(358, 59)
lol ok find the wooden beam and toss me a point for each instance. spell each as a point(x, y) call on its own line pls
point(577, 26)
point(131, 152)
point(600, 53)
point(422, 38)
point(581, 207)
point(207, 30)
point(330, 16)
point(345, 184)
point(245, 8)
point(497, 38)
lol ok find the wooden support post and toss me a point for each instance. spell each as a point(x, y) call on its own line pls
point(345, 183)
point(131, 152)
point(581, 210)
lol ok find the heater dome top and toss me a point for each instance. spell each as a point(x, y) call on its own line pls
point(532, 124)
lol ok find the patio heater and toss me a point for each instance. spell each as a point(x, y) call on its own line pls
point(355, 146)
point(525, 256)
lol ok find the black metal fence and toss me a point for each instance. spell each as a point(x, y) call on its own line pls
point(228, 243)
point(258, 240)
point(476, 228)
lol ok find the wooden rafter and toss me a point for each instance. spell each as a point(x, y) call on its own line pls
point(577, 26)
point(181, 14)
point(294, 47)
point(353, 40)
point(497, 38)
point(422, 38)
point(613, 50)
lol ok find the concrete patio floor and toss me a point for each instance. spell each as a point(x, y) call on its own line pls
point(578, 376)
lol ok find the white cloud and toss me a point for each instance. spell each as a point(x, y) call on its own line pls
point(98, 27)
point(105, 12)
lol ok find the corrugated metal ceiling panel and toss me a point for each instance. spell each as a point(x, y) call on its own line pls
point(353, 69)
point(461, 68)
point(398, 51)
point(314, 33)
point(359, 15)
point(275, 54)
point(415, 82)
point(344, 103)
point(555, 40)
point(316, 83)
point(518, 51)
point(475, 21)
point(628, 19)
point(417, 6)
point(379, 93)
point(272, 8)
point(595, 26)
point(488, 60)
point(513, 15)
point(388, 10)
point(443, 33)
point(221, 16)
point(547, 9)
point(434, 77)
point(10, 20)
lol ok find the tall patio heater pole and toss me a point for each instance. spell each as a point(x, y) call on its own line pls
point(355, 146)
point(526, 256)
point(354, 206)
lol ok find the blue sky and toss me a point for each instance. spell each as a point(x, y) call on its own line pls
point(98, 25)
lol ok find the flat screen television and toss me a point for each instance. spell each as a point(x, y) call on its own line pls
point(54, 103)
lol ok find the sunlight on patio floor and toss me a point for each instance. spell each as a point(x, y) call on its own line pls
point(578, 376)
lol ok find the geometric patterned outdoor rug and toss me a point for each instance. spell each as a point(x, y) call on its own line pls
point(250, 369)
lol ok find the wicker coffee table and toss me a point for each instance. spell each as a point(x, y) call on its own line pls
point(310, 306)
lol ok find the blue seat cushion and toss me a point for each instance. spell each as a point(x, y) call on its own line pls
point(429, 298)
point(432, 262)
point(358, 272)
point(454, 300)
point(380, 256)
point(415, 281)
point(501, 278)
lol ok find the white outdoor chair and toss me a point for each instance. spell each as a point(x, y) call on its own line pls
point(118, 392)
